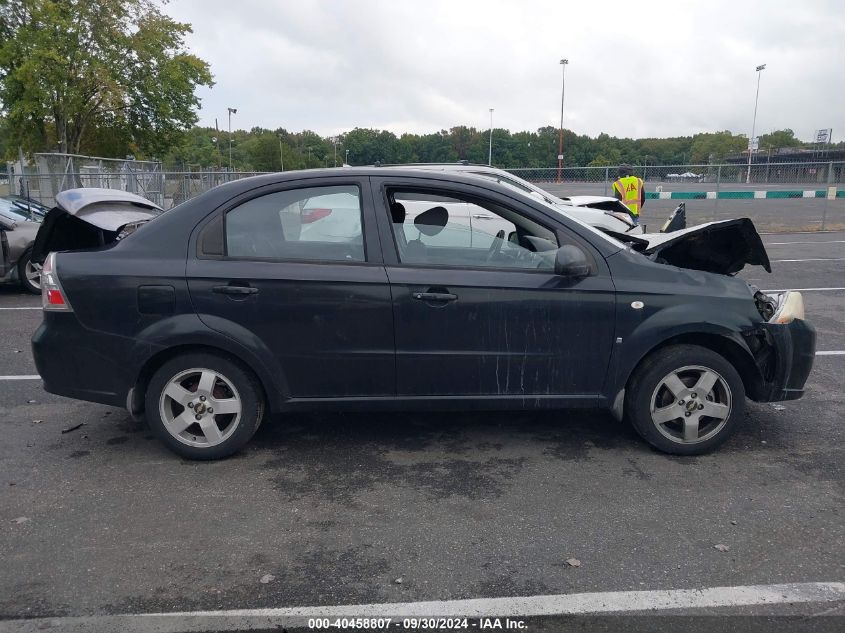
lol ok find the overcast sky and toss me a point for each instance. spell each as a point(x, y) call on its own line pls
point(635, 68)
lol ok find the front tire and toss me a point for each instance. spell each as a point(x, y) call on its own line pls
point(204, 406)
point(685, 400)
point(29, 274)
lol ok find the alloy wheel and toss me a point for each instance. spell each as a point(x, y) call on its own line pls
point(691, 404)
point(33, 274)
point(200, 407)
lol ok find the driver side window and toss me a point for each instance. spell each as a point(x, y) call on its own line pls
point(437, 229)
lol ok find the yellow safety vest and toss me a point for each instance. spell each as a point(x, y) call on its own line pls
point(630, 188)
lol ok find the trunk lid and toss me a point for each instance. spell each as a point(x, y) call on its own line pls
point(724, 247)
point(90, 218)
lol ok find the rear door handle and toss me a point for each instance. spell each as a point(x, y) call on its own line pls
point(235, 290)
point(435, 296)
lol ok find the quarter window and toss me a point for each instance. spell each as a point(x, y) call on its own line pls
point(316, 223)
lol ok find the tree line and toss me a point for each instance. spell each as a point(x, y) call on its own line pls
point(261, 149)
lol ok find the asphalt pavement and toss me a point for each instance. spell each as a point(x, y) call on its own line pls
point(339, 509)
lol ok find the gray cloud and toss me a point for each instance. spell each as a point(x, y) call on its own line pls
point(636, 69)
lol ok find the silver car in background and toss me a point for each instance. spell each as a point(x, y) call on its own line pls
point(17, 235)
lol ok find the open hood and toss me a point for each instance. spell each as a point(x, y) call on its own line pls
point(717, 247)
point(89, 218)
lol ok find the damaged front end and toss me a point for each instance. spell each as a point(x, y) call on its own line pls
point(724, 247)
point(783, 346)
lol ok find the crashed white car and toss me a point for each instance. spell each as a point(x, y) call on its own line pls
point(602, 212)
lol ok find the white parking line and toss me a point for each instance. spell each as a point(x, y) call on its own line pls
point(811, 242)
point(23, 308)
point(837, 352)
point(822, 593)
point(812, 259)
point(804, 289)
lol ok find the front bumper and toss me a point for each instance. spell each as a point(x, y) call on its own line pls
point(794, 346)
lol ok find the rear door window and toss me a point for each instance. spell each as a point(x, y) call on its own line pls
point(313, 223)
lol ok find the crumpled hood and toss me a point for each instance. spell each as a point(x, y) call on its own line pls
point(723, 247)
point(90, 217)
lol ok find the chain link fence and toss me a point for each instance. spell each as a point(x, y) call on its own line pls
point(166, 189)
point(777, 196)
point(821, 173)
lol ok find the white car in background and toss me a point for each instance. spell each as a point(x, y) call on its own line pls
point(602, 212)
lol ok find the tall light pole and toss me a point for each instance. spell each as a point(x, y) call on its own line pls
point(347, 157)
point(490, 150)
point(760, 70)
point(334, 140)
point(281, 154)
point(231, 112)
point(563, 64)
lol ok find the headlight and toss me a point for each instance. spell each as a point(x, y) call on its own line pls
point(791, 308)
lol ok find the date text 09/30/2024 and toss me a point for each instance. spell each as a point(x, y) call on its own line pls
point(417, 624)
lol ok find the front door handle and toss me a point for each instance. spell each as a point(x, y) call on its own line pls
point(435, 296)
point(235, 290)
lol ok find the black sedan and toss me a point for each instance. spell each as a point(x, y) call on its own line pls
point(402, 289)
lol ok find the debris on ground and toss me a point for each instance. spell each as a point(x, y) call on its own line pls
point(722, 547)
point(20, 520)
point(778, 407)
point(573, 562)
point(31, 401)
point(37, 421)
point(73, 428)
point(733, 522)
point(267, 578)
point(399, 580)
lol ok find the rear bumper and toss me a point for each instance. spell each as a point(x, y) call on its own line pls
point(79, 363)
point(794, 352)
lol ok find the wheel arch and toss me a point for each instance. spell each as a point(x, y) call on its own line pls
point(726, 345)
point(136, 396)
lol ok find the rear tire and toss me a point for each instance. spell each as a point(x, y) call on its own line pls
point(29, 273)
point(685, 400)
point(204, 406)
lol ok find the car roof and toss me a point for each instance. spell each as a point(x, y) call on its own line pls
point(411, 171)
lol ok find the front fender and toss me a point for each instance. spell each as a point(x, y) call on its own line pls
point(684, 322)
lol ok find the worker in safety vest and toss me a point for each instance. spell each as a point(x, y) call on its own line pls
point(630, 190)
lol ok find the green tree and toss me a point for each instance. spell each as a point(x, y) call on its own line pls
point(68, 67)
point(713, 147)
point(778, 139)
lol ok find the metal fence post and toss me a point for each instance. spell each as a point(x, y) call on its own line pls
point(826, 196)
point(716, 199)
point(606, 178)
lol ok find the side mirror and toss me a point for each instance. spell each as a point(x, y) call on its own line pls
point(571, 261)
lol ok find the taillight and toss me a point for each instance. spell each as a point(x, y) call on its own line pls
point(52, 296)
point(312, 215)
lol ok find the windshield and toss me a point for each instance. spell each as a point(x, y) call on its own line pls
point(9, 210)
point(521, 185)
